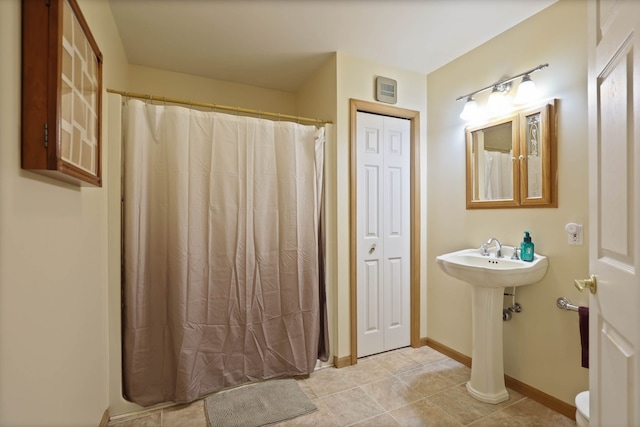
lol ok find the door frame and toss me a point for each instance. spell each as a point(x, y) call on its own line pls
point(356, 105)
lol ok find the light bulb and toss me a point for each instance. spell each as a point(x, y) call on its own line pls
point(497, 102)
point(526, 91)
point(470, 110)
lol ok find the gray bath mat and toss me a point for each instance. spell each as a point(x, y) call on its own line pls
point(258, 404)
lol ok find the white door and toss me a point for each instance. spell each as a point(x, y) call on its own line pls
point(614, 212)
point(383, 227)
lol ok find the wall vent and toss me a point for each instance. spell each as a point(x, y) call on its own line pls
point(386, 90)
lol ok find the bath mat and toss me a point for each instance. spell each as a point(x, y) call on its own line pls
point(258, 404)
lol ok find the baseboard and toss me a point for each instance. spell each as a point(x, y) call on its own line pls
point(448, 351)
point(532, 393)
point(341, 362)
point(105, 418)
point(541, 397)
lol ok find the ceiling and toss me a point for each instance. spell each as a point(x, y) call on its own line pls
point(278, 44)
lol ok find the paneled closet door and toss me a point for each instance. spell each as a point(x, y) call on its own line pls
point(383, 225)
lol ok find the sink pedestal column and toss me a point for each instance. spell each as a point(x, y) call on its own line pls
point(487, 370)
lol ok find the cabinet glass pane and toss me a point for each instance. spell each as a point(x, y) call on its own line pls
point(534, 156)
point(80, 84)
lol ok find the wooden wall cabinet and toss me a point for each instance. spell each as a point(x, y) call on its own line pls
point(61, 93)
point(511, 161)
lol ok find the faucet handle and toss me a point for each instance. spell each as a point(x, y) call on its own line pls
point(483, 249)
point(515, 253)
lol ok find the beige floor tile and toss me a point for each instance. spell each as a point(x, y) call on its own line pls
point(383, 420)
point(192, 415)
point(424, 355)
point(454, 371)
point(328, 381)
point(498, 419)
point(396, 362)
point(457, 402)
point(366, 371)
point(425, 380)
point(514, 397)
point(304, 386)
point(391, 393)
point(423, 413)
point(352, 406)
point(532, 413)
point(153, 419)
point(322, 417)
point(460, 405)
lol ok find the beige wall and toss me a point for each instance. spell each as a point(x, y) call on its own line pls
point(53, 302)
point(356, 79)
point(152, 81)
point(317, 98)
point(541, 344)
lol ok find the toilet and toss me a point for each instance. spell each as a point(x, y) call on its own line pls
point(582, 409)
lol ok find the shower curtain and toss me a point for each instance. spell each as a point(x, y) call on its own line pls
point(498, 174)
point(221, 251)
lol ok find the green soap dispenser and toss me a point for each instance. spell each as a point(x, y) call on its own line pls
point(526, 248)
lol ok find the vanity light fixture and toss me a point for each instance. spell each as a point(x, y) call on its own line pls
point(526, 93)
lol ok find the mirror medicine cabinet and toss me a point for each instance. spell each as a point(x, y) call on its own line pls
point(511, 161)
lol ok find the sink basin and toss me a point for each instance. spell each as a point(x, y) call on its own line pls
point(472, 267)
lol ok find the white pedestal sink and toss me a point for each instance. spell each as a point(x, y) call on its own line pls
point(489, 276)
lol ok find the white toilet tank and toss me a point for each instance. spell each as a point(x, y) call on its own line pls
point(582, 409)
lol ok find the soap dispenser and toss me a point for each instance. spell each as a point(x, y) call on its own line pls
point(526, 248)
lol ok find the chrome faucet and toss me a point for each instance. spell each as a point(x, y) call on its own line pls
point(498, 247)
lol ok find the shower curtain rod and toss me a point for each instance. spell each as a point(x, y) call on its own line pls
point(219, 107)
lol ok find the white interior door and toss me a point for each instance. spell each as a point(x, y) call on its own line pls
point(383, 227)
point(614, 213)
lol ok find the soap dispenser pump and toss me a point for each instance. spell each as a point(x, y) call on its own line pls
point(526, 248)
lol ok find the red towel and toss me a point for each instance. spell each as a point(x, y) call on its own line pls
point(583, 319)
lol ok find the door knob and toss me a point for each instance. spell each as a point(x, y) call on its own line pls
point(591, 283)
point(372, 249)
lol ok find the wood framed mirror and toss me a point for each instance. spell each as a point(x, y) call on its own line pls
point(511, 160)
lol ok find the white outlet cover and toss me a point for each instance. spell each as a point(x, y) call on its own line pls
point(574, 232)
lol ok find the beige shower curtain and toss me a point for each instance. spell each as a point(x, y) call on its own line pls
point(222, 261)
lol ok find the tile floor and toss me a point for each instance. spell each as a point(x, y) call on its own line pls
point(405, 387)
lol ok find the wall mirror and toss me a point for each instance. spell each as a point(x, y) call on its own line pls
point(511, 161)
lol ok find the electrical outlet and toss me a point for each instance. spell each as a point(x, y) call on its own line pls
point(574, 232)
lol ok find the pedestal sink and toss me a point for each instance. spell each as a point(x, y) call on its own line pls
point(488, 277)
